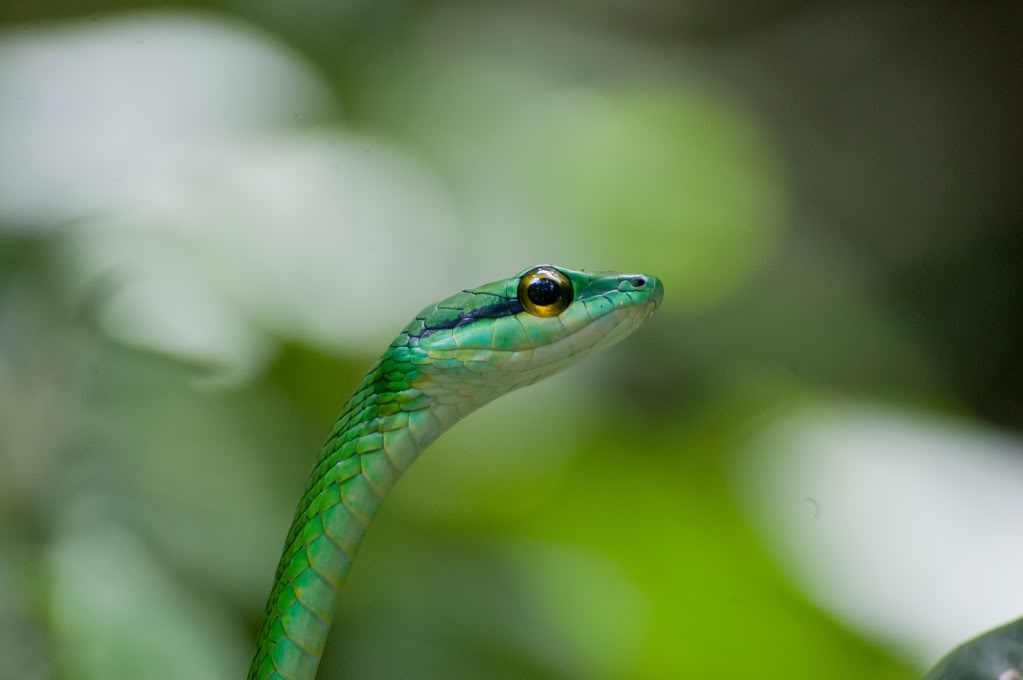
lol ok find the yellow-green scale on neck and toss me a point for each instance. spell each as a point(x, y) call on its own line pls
point(454, 357)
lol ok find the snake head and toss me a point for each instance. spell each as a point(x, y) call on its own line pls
point(513, 332)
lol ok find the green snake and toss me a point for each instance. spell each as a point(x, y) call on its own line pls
point(454, 357)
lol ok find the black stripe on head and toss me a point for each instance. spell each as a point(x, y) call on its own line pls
point(504, 307)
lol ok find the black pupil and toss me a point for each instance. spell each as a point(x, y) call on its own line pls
point(544, 292)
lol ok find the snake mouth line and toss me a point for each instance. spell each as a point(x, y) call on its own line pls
point(606, 330)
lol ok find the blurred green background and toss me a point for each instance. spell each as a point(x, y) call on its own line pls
point(214, 215)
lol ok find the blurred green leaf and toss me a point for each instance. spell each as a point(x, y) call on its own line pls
point(117, 613)
point(209, 475)
point(659, 505)
point(675, 178)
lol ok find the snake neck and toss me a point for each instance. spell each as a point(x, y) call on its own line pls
point(406, 400)
point(455, 356)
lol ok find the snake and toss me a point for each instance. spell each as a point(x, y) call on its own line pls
point(455, 356)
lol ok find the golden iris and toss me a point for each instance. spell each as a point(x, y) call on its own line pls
point(545, 291)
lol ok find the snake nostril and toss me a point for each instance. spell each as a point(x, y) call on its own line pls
point(638, 282)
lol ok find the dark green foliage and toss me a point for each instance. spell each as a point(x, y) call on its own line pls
point(990, 656)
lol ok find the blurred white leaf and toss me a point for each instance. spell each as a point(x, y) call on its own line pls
point(200, 218)
point(906, 528)
point(89, 109)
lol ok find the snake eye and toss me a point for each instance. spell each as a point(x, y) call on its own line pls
point(545, 291)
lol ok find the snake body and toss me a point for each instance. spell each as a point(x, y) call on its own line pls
point(454, 357)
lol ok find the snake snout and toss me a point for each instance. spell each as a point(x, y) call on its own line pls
point(650, 285)
point(658, 293)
